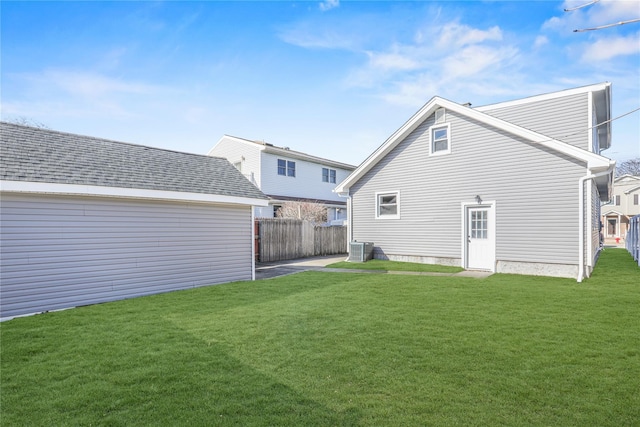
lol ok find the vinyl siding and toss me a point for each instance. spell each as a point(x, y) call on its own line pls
point(59, 252)
point(535, 192)
point(236, 151)
point(566, 118)
point(306, 184)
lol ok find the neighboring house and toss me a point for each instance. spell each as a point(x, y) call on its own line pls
point(513, 187)
point(287, 175)
point(623, 205)
point(87, 220)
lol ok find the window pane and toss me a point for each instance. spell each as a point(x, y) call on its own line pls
point(325, 175)
point(440, 146)
point(388, 209)
point(387, 204)
point(440, 139)
point(440, 133)
point(387, 199)
point(291, 168)
point(282, 167)
point(332, 173)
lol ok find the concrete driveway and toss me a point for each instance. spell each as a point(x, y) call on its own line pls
point(267, 270)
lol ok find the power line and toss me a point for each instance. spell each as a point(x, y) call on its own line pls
point(615, 24)
point(608, 25)
point(597, 125)
point(580, 7)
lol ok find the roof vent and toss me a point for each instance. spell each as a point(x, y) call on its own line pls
point(286, 148)
point(466, 104)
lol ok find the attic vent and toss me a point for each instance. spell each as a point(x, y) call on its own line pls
point(440, 115)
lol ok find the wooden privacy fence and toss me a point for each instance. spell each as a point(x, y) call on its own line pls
point(281, 239)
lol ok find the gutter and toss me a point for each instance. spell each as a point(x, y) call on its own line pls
point(581, 243)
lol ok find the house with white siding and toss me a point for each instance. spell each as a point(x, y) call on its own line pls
point(513, 187)
point(85, 220)
point(624, 204)
point(287, 175)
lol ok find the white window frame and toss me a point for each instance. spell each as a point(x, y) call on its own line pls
point(379, 195)
point(432, 130)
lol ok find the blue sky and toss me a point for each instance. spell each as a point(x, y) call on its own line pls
point(330, 78)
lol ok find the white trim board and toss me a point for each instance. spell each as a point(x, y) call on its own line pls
point(136, 193)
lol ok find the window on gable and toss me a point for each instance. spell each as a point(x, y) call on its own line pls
point(286, 168)
point(635, 199)
point(617, 200)
point(329, 175)
point(440, 115)
point(388, 205)
point(440, 139)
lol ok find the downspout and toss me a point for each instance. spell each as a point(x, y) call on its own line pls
point(349, 217)
point(253, 243)
point(581, 234)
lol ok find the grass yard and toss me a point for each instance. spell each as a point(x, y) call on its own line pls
point(328, 349)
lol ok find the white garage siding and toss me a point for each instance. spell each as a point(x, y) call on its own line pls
point(62, 251)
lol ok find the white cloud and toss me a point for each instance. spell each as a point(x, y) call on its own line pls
point(434, 60)
point(474, 60)
point(88, 84)
point(81, 93)
point(329, 4)
point(304, 35)
point(610, 47)
point(455, 35)
point(540, 41)
point(392, 61)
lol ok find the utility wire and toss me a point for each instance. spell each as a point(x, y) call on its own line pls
point(608, 25)
point(595, 126)
point(580, 7)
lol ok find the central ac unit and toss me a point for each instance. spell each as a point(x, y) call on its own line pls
point(360, 251)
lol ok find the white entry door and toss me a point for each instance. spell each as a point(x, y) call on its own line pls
point(480, 238)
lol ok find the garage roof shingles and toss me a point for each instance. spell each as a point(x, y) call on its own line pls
point(42, 155)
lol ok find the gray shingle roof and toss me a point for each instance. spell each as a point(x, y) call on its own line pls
point(42, 155)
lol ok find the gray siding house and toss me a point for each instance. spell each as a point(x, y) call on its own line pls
point(513, 187)
point(87, 220)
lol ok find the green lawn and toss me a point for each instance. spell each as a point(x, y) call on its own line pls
point(377, 264)
point(330, 349)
